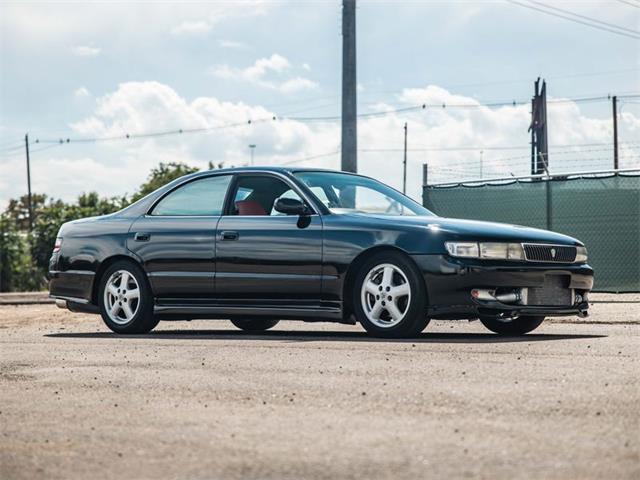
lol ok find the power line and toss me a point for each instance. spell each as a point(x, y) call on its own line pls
point(600, 22)
point(629, 3)
point(312, 157)
point(273, 118)
point(575, 20)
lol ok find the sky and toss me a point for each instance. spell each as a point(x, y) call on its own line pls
point(84, 70)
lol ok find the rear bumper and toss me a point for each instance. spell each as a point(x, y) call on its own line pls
point(74, 285)
point(450, 281)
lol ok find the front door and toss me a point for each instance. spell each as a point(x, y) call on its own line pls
point(177, 239)
point(263, 255)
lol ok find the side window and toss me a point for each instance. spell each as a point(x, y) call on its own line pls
point(199, 197)
point(322, 195)
point(256, 194)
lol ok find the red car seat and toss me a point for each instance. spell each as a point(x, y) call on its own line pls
point(249, 207)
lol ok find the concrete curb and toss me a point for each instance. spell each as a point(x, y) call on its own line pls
point(25, 298)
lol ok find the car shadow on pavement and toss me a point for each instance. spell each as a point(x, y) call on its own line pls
point(314, 336)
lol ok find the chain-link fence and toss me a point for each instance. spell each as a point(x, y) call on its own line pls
point(603, 211)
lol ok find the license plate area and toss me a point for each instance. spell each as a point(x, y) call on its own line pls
point(555, 292)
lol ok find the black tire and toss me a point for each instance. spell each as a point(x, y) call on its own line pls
point(516, 327)
point(415, 318)
point(254, 324)
point(143, 320)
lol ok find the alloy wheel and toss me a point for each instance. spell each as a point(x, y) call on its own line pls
point(385, 295)
point(121, 297)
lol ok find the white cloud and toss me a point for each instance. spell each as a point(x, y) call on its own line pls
point(306, 67)
point(297, 84)
point(142, 107)
point(86, 51)
point(265, 72)
point(198, 27)
point(82, 92)
point(231, 44)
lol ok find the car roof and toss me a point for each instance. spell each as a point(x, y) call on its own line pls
point(273, 169)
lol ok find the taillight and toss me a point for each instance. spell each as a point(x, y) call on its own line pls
point(57, 245)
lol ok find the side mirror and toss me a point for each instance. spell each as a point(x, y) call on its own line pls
point(291, 206)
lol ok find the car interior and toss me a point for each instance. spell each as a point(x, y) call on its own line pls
point(256, 195)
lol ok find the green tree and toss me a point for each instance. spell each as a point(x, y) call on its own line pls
point(18, 209)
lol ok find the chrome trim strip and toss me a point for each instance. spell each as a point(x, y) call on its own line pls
point(83, 301)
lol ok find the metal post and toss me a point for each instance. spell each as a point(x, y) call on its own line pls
point(425, 182)
point(614, 101)
point(404, 162)
point(252, 147)
point(533, 139)
point(544, 144)
point(549, 204)
point(349, 98)
point(26, 145)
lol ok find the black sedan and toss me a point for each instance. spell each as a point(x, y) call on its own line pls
point(257, 245)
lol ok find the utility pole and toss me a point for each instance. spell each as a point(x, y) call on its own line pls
point(252, 147)
point(481, 153)
point(538, 128)
point(26, 145)
point(404, 163)
point(614, 101)
point(349, 98)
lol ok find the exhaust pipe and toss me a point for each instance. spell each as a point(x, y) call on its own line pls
point(61, 303)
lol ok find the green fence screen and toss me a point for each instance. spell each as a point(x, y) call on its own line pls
point(603, 212)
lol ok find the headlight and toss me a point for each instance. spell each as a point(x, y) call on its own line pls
point(489, 250)
point(581, 255)
point(462, 249)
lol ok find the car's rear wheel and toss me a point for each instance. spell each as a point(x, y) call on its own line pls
point(515, 326)
point(389, 298)
point(126, 302)
point(254, 324)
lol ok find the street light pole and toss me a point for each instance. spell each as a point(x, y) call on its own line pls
point(404, 162)
point(252, 147)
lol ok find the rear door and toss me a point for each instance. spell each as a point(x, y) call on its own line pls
point(177, 239)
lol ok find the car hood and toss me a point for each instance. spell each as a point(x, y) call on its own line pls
point(459, 229)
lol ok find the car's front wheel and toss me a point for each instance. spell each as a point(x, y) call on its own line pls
point(515, 326)
point(254, 324)
point(389, 298)
point(126, 303)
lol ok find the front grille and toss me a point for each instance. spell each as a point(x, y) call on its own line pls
point(535, 252)
point(554, 292)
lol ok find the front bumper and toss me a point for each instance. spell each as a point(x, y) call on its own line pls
point(449, 283)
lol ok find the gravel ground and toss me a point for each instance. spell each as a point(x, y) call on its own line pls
point(203, 400)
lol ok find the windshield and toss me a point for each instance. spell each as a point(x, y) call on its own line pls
point(343, 193)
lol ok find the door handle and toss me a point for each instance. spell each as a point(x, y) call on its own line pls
point(141, 237)
point(228, 235)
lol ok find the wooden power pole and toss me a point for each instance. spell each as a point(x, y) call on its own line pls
point(30, 205)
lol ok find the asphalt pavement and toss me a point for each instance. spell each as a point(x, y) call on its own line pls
point(203, 400)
